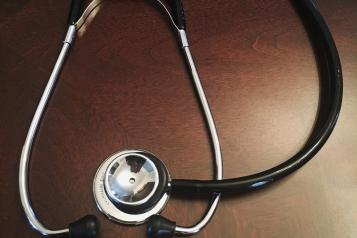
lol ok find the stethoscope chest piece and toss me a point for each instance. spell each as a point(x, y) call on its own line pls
point(130, 186)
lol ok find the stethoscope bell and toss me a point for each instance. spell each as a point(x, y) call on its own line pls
point(130, 186)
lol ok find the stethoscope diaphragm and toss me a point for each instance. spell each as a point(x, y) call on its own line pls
point(130, 186)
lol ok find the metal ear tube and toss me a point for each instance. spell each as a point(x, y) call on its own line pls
point(86, 227)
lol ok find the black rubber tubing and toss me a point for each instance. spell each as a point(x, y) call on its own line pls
point(75, 11)
point(328, 112)
point(179, 14)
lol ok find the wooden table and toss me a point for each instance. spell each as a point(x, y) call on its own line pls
point(125, 86)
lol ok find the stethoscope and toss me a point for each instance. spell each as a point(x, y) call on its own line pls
point(133, 186)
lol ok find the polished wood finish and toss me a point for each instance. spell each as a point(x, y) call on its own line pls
point(125, 86)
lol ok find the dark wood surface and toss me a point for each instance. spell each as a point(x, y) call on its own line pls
point(125, 86)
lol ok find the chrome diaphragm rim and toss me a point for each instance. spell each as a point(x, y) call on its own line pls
point(115, 211)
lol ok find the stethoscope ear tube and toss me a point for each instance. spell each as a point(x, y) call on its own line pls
point(329, 109)
point(86, 227)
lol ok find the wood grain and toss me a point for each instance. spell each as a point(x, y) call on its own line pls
point(125, 86)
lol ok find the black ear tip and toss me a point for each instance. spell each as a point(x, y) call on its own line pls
point(160, 227)
point(86, 227)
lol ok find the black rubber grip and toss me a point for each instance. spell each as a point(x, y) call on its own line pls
point(160, 227)
point(86, 227)
point(179, 15)
point(75, 12)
